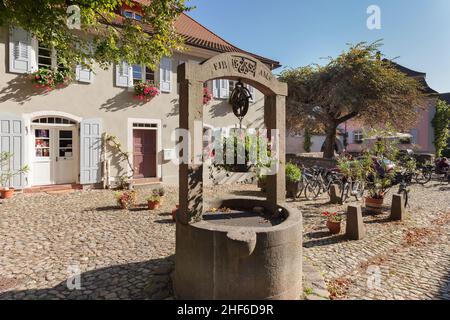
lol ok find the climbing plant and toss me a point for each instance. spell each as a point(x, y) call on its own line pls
point(114, 143)
point(441, 124)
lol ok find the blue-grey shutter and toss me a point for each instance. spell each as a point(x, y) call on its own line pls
point(90, 151)
point(11, 141)
point(20, 51)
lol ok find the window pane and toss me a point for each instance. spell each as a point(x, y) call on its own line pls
point(65, 134)
point(138, 17)
point(149, 74)
point(41, 133)
point(128, 14)
point(137, 72)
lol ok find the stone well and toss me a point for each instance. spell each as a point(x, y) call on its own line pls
point(222, 262)
point(248, 256)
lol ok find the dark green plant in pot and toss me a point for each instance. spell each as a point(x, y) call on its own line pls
point(293, 179)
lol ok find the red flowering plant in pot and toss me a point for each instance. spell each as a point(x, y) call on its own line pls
point(333, 221)
point(145, 90)
point(207, 96)
point(126, 199)
point(49, 79)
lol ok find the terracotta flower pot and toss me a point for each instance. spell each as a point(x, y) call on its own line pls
point(123, 205)
point(374, 206)
point(7, 194)
point(153, 205)
point(334, 227)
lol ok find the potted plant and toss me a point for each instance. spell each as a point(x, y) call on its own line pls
point(161, 192)
point(6, 191)
point(333, 222)
point(293, 178)
point(377, 191)
point(154, 202)
point(145, 90)
point(49, 79)
point(126, 199)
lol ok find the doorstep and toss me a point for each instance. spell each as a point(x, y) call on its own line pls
point(54, 188)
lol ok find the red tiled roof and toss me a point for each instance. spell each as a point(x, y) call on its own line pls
point(195, 34)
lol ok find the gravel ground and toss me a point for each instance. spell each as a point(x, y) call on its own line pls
point(45, 238)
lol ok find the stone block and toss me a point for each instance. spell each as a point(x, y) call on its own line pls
point(398, 211)
point(335, 195)
point(355, 225)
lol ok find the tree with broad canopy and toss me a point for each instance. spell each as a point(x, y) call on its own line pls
point(103, 37)
point(358, 84)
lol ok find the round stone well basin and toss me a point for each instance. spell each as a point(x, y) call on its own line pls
point(240, 254)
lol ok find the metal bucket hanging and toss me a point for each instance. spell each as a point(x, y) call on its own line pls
point(240, 101)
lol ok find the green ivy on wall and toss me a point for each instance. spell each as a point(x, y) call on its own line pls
point(441, 124)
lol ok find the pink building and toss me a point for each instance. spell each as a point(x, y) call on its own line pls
point(420, 138)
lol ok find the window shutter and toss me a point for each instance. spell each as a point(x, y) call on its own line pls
point(12, 141)
point(90, 151)
point(84, 74)
point(216, 88)
point(224, 89)
point(20, 51)
point(166, 75)
point(124, 75)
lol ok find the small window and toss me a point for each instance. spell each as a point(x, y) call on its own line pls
point(137, 17)
point(42, 143)
point(65, 144)
point(128, 14)
point(358, 137)
point(44, 57)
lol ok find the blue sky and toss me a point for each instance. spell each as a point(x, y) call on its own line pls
point(300, 32)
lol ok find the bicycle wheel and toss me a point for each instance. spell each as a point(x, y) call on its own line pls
point(404, 193)
point(358, 190)
point(345, 192)
point(337, 182)
point(423, 177)
point(312, 190)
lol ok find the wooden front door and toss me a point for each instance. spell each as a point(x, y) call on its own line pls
point(144, 153)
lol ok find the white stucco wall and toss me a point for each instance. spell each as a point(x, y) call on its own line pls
point(114, 105)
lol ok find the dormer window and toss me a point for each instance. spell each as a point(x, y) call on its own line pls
point(132, 15)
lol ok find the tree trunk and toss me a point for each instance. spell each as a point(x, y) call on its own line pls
point(330, 142)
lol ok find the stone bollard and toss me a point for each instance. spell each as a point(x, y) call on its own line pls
point(398, 208)
point(355, 226)
point(335, 197)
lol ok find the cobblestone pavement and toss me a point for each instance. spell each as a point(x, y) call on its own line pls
point(396, 260)
point(45, 238)
point(128, 254)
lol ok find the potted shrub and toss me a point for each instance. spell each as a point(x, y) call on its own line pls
point(161, 192)
point(333, 222)
point(6, 191)
point(154, 202)
point(293, 178)
point(126, 199)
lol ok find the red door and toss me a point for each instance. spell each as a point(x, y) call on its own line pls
point(144, 153)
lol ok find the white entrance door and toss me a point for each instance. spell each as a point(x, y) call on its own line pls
point(55, 155)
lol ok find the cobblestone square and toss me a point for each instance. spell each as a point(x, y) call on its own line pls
point(45, 238)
